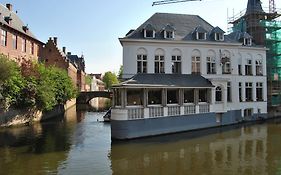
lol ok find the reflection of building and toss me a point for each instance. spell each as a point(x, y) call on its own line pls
point(187, 74)
point(72, 64)
point(238, 151)
point(17, 41)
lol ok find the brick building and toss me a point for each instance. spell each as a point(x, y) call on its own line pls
point(16, 39)
point(74, 65)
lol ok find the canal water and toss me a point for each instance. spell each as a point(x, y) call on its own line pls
point(79, 143)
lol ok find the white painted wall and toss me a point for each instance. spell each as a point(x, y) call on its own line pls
point(237, 53)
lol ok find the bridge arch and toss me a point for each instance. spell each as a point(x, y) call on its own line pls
point(85, 97)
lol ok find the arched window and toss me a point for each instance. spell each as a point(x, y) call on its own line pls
point(226, 64)
point(159, 61)
point(196, 57)
point(141, 61)
point(218, 94)
point(176, 61)
point(211, 62)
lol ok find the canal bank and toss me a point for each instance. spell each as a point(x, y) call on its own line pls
point(76, 143)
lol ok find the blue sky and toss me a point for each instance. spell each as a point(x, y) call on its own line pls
point(92, 27)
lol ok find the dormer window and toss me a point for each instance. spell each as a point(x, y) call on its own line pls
point(201, 36)
point(200, 33)
point(247, 42)
point(169, 32)
point(219, 36)
point(149, 31)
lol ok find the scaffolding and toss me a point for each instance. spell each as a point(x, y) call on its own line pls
point(266, 31)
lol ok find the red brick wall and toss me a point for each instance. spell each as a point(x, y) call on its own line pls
point(17, 54)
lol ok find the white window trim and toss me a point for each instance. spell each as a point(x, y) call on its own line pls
point(153, 35)
point(197, 36)
point(247, 41)
point(165, 34)
point(220, 36)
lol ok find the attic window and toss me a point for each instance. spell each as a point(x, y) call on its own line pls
point(219, 36)
point(169, 34)
point(8, 19)
point(247, 42)
point(25, 28)
point(201, 36)
point(149, 33)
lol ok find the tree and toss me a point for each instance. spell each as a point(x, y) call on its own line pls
point(120, 73)
point(88, 79)
point(109, 79)
point(35, 86)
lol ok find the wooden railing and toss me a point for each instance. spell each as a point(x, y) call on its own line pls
point(204, 108)
point(156, 111)
point(173, 110)
point(189, 109)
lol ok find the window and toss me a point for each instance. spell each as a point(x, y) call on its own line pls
point(15, 41)
point(154, 96)
point(259, 92)
point(218, 94)
point(196, 65)
point(219, 36)
point(200, 36)
point(248, 112)
point(141, 63)
point(248, 68)
point(229, 97)
point(31, 49)
point(211, 65)
point(259, 67)
point(134, 97)
point(239, 69)
point(249, 95)
point(168, 34)
point(176, 64)
point(117, 96)
point(226, 66)
point(172, 96)
point(159, 64)
point(247, 42)
point(149, 33)
point(3, 37)
point(188, 96)
point(240, 92)
point(203, 97)
point(23, 46)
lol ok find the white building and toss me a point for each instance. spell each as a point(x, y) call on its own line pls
point(177, 45)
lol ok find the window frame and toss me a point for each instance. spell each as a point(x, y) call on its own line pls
point(176, 64)
point(211, 65)
point(196, 65)
point(4, 34)
point(159, 64)
point(142, 60)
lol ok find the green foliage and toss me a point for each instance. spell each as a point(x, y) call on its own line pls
point(35, 86)
point(109, 79)
point(120, 73)
point(7, 68)
point(88, 80)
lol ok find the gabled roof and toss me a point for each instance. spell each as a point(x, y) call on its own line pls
point(217, 30)
point(167, 80)
point(149, 27)
point(15, 22)
point(200, 30)
point(169, 28)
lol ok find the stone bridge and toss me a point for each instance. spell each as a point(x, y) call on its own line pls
point(85, 97)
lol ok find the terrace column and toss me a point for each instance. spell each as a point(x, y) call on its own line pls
point(254, 91)
point(196, 100)
point(123, 98)
point(145, 100)
point(181, 99)
point(164, 102)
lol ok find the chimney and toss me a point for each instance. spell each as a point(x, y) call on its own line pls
point(64, 49)
point(9, 6)
point(55, 40)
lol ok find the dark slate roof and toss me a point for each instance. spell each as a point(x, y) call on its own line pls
point(239, 35)
point(78, 62)
point(217, 30)
point(184, 26)
point(254, 6)
point(167, 80)
point(16, 22)
point(169, 28)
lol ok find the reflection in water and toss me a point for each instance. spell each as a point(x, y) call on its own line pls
point(78, 144)
point(244, 150)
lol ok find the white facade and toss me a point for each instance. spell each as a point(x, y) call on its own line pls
point(252, 61)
